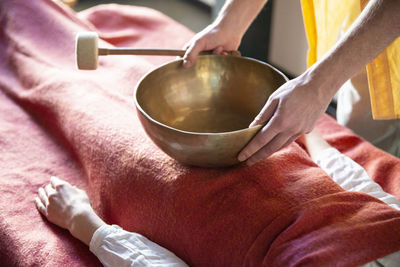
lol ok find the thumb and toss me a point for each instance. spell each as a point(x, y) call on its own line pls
point(191, 54)
point(265, 114)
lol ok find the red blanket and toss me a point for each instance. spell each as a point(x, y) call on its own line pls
point(82, 126)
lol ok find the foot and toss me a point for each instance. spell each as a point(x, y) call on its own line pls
point(68, 207)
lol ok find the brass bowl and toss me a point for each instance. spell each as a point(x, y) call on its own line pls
point(200, 116)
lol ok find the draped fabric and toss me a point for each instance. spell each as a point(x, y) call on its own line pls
point(324, 21)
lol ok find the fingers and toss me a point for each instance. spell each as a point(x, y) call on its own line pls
point(187, 45)
point(192, 52)
point(269, 140)
point(40, 206)
point(266, 134)
point(43, 197)
point(218, 51)
point(49, 190)
point(265, 114)
point(264, 146)
point(275, 144)
point(42, 202)
point(259, 141)
point(57, 182)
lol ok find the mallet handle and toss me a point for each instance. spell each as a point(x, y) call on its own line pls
point(151, 52)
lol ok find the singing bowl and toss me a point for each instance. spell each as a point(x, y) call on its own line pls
point(200, 115)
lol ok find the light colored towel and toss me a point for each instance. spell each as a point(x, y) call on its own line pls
point(324, 20)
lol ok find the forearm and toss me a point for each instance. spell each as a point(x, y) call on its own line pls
point(237, 15)
point(315, 144)
point(84, 224)
point(377, 26)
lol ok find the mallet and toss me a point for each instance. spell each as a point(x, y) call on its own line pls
point(87, 51)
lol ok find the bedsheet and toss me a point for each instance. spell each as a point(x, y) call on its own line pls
point(82, 126)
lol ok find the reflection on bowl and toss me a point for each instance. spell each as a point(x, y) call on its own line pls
point(200, 116)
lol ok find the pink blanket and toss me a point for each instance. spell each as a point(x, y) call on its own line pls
point(82, 126)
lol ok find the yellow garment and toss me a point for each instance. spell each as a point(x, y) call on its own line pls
point(324, 21)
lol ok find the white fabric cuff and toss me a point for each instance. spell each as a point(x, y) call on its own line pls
point(100, 234)
point(117, 247)
point(351, 176)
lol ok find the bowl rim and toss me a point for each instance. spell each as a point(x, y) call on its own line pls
point(138, 107)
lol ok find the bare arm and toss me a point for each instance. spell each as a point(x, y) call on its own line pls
point(69, 207)
point(226, 32)
point(296, 106)
point(376, 27)
point(239, 14)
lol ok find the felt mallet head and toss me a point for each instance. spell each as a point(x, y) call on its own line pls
point(86, 50)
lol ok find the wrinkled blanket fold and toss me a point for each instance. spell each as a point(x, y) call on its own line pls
point(82, 126)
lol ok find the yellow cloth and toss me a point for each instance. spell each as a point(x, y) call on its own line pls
point(324, 20)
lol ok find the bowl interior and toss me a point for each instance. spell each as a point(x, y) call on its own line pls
point(218, 94)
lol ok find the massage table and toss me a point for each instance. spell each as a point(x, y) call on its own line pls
point(82, 127)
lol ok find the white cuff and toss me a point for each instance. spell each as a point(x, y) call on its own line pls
point(100, 234)
point(351, 176)
point(116, 247)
